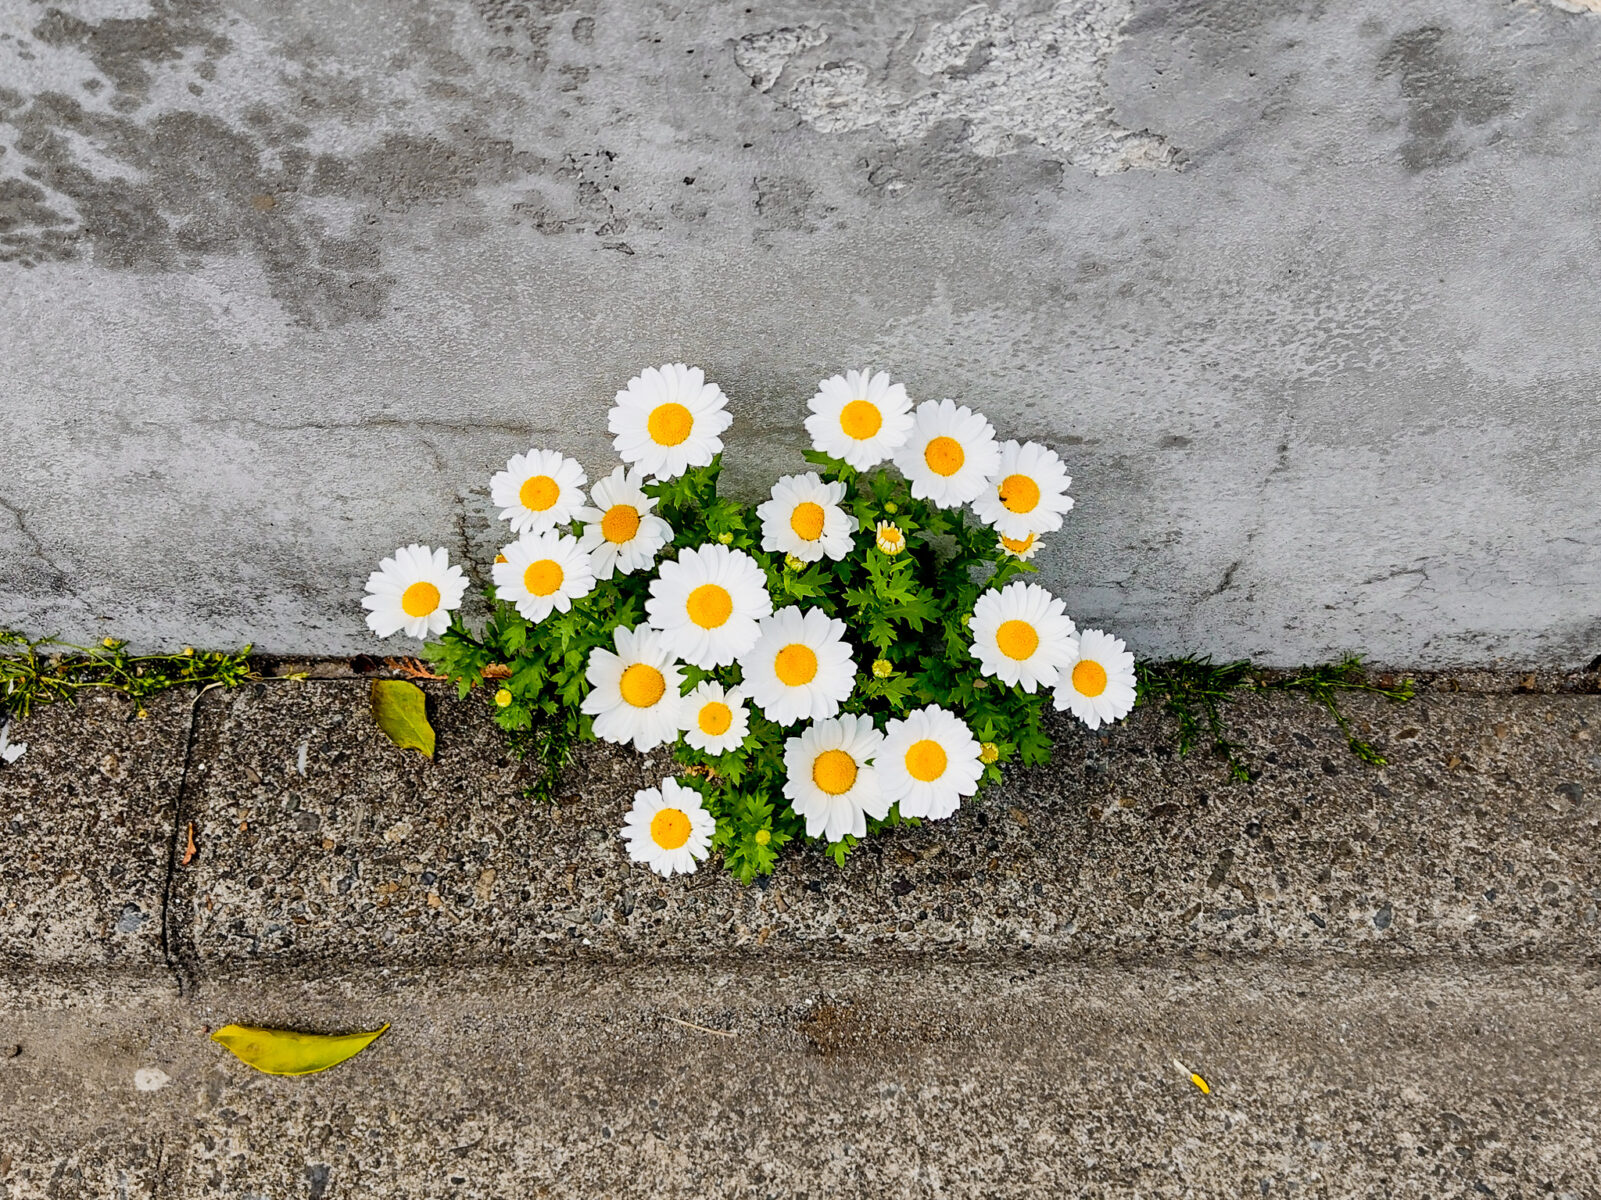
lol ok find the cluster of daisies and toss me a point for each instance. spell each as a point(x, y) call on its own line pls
point(709, 606)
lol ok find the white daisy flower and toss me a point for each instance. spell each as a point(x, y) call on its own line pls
point(800, 667)
point(668, 420)
point(1023, 548)
point(538, 490)
point(950, 455)
point(929, 762)
point(541, 573)
point(1022, 635)
point(1028, 492)
point(715, 721)
point(416, 590)
point(10, 751)
point(668, 829)
point(1097, 681)
point(829, 779)
point(634, 693)
point(707, 603)
point(860, 418)
point(621, 534)
point(804, 518)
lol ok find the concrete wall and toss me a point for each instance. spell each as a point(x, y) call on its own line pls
point(1308, 296)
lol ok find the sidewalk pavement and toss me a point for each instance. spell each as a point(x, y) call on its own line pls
point(1388, 976)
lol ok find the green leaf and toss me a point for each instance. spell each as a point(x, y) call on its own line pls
point(401, 710)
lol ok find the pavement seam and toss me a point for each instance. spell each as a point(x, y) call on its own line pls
point(173, 945)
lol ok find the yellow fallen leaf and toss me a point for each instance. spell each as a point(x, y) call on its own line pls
point(284, 1052)
point(401, 710)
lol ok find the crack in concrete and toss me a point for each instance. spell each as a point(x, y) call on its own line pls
point(62, 582)
point(177, 944)
point(419, 424)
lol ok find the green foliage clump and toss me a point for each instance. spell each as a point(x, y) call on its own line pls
point(1194, 689)
point(45, 670)
point(906, 615)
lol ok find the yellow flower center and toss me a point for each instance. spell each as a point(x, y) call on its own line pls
point(944, 455)
point(539, 493)
point(1018, 545)
point(795, 665)
point(419, 599)
point(642, 685)
point(1019, 493)
point(669, 424)
point(715, 718)
point(1089, 678)
point(807, 521)
point(620, 524)
point(1017, 639)
point(542, 578)
point(925, 760)
point(834, 771)
point(860, 420)
point(669, 828)
point(709, 605)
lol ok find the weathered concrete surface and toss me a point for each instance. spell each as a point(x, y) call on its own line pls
point(1388, 977)
point(1482, 837)
point(1308, 295)
point(839, 1079)
point(88, 817)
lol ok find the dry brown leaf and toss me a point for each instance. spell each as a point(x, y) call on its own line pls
point(190, 850)
point(496, 671)
point(412, 667)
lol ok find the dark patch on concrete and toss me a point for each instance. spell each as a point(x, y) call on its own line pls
point(125, 49)
point(588, 203)
point(196, 187)
point(184, 185)
point(1443, 97)
point(783, 203)
point(1220, 29)
point(528, 25)
point(943, 164)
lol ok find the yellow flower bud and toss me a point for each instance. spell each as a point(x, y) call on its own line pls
point(725, 538)
point(883, 668)
point(503, 697)
point(891, 507)
point(793, 563)
point(763, 836)
point(989, 752)
point(890, 538)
